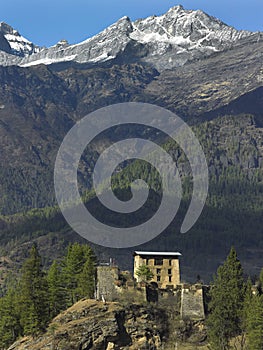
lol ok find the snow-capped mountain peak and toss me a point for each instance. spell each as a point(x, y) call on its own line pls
point(187, 27)
point(15, 43)
point(165, 41)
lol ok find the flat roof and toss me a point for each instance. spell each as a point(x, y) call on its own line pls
point(137, 252)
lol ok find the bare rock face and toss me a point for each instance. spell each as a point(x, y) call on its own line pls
point(13, 46)
point(90, 324)
point(164, 42)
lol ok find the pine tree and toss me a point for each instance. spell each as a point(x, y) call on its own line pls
point(56, 290)
point(86, 279)
point(34, 295)
point(226, 305)
point(10, 327)
point(79, 272)
point(246, 305)
point(255, 323)
point(73, 263)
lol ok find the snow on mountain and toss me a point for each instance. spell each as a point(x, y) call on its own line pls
point(176, 37)
point(185, 29)
point(18, 45)
point(102, 47)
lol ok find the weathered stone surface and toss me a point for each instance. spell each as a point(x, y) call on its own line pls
point(192, 302)
point(90, 324)
point(107, 277)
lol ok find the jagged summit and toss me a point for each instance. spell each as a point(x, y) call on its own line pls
point(165, 41)
point(182, 24)
point(14, 43)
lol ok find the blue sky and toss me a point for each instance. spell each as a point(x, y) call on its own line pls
point(45, 22)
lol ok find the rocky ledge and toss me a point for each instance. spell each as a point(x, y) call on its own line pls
point(90, 324)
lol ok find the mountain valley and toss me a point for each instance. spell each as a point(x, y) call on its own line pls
point(186, 61)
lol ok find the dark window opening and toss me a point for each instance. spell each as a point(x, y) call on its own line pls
point(158, 261)
point(170, 278)
point(170, 262)
point(169, 271)
point(158, 271)
point(158, 278)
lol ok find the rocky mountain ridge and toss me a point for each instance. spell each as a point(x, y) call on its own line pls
point(167, 41)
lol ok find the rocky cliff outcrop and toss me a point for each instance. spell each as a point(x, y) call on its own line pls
point(94, 325)
point(90, 324)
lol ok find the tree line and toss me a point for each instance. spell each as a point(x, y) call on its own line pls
point(36, 295)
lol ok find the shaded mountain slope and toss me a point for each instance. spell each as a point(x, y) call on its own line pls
point(207, 85)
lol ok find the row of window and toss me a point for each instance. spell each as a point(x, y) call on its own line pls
point(159, 261)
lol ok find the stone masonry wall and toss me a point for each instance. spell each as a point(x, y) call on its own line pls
point(192, 302)
point(107, 276)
